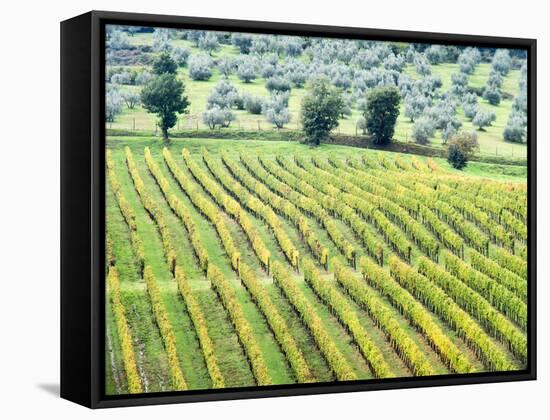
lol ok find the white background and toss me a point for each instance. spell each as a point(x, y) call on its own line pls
point(29, 206)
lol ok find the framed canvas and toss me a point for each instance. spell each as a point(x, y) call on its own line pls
point(257, 209)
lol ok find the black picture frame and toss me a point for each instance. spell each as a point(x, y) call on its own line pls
point(83, 208)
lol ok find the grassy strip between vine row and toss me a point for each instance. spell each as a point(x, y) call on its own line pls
point(205, 207)
point(179, 209)
point(284, 184)
point(281, 205)
point(340, 305)
point(126, 210)
point(224, 289)
point(232, 207)
point(433, 191)
point(417, 314)
point(166, 331)
point(153, 209)
point(307, 313)
point(511, 281)
point(405, 347)
point(195, 312)
point(498, 295)
point(128, 356)
point(477, 306)
point(337, 201)
point(335, 206)
point(511, 262)
point(357, 197)
point(256, 207)
point(227, 296)
point(275, 321)
point(443, 305)
point(159, 310)
point(422, 211)
point(427, 211)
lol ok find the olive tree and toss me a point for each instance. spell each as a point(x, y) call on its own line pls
point(131, 98)
point(143, 77)
point(435, 54)
point(195, 36)
point(291, 46)
point(491, 94)
point(423, 130)
point(494, 79)
point(200, 67)
point(262, 44)
point(501, 62)
point(414, 104)
point(296, 72)
point(246, 70)
point(113, 103)
point(470, 105)
point(209, 43)
point(253, 104)
point(468, 60)
point(122, 78)
point(242, 41)
point(520, 101)
point(395, 62)
point(459, 85)
point(162, 41)
point(223, 95)
point(180, 55)
point(278, 84)
point(422, 66)
point(118, 40)
point(516, 127)
point(226, 66)
point(366, 59)
point(483, 118)
point(276, 110)
point(218, 117)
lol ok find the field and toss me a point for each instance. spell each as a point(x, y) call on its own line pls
point(240, 263)
point(490, 139)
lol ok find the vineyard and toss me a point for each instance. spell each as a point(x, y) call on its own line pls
point(232, 266)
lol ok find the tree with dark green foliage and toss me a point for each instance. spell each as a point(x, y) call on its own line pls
point(165, 64)
point(461, 148)
point(164, 96)
point(381, 113)
point(321, 108)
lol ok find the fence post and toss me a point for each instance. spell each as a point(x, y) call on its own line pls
point(259, 125)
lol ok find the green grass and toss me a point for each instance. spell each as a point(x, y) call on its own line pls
point(148, 346)
point(115, 379)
